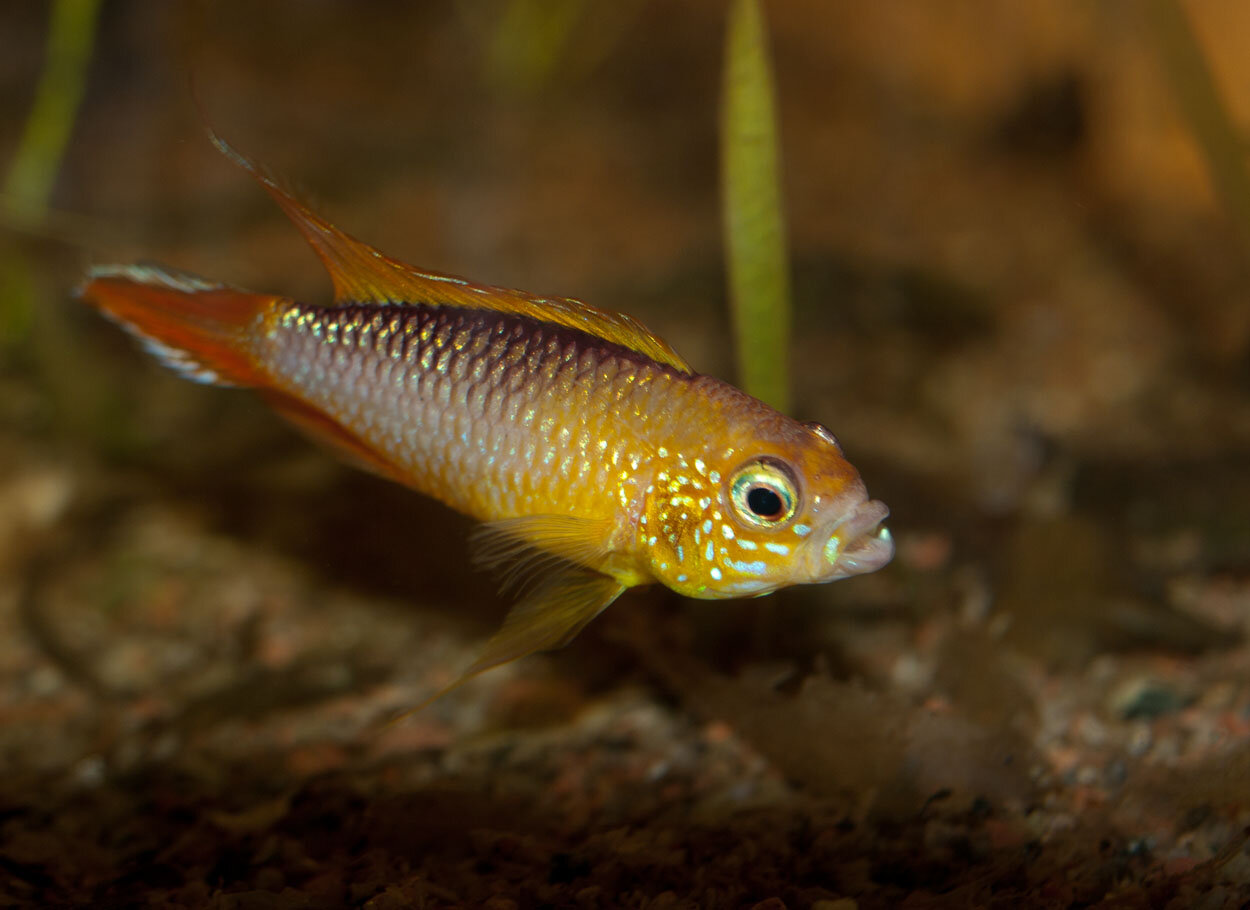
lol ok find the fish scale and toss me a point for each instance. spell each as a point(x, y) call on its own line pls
point(595, 457)
point(464, 390)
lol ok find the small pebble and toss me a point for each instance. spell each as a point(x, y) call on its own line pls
point(1143, 698)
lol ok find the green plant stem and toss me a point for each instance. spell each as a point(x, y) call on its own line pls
point(1199, 99)
point(41, 333)
point(755, 244)
point(38, 159)
point(28, 184)
point(530, 40)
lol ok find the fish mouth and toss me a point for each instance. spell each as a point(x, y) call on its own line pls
point(860, 544)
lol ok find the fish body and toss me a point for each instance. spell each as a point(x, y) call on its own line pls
point(595, 457)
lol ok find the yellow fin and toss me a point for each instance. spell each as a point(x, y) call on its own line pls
point(361, 274)
point(556, 608)
point(549, 616)
point(546, 556)
point(520, 549)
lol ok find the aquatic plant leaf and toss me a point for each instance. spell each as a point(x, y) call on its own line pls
point(71, 34)
point(759, 286)
point(37, 159)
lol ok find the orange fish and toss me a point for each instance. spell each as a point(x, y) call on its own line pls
point(595, 457)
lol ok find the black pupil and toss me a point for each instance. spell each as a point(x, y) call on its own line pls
point(764, 502)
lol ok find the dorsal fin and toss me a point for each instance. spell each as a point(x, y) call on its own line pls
point(361, 274)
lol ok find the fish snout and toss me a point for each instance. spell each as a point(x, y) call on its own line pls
point(859, 544)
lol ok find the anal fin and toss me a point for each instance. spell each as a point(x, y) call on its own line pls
point(323, 429)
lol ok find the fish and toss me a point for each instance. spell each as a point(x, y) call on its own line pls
point(594, 456)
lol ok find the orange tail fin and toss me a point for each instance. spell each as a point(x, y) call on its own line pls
point(197, 327)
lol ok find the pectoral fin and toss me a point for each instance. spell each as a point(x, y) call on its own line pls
point(522, 549)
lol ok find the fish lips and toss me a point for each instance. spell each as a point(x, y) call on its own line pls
point(858, 544)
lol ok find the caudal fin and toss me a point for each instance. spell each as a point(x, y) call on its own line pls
point(199, 328)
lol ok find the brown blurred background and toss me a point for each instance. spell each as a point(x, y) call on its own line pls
point(1019, 300)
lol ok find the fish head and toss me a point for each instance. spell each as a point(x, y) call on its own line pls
point(779, 508)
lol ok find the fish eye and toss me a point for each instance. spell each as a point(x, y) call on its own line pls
point(764, 494)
